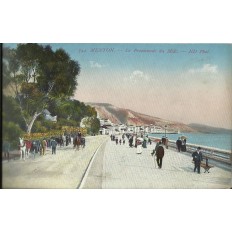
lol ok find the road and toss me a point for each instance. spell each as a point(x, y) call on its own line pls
point(63, 170)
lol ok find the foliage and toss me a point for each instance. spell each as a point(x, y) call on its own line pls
point(54, 133)
point(11, 132)
point(39, 127)
point(71, 110)
point(92, 124)
point(95, 125)
point(36, 78)
point(37, 75)
point(11, 111)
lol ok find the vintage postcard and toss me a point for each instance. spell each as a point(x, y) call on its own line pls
point(116, 116)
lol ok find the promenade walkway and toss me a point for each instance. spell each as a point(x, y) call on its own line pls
point(63, 170)
point(123, 168)
point(113, 167)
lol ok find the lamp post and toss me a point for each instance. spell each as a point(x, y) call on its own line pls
point(165, 130)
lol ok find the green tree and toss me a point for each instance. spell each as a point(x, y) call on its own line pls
point(71, 110)
point(11, 132)
point(95, 125)
point(38, 76)
point(92, 124)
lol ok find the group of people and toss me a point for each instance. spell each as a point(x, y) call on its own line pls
point(181, 144)
point(27, 147)
point(36, 146)
point(133, 140)
point(117, 139)
point(138, 141)
point(141, 142)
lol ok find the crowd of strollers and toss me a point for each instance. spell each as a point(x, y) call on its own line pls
point(140, 141)
point(39, 146)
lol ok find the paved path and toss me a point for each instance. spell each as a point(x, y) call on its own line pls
point(63, 170)
point(123, 168)
point(112, 166)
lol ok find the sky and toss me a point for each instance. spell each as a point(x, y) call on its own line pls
point(189, 83)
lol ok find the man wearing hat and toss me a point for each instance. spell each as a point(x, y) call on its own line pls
point(159, 154)
point(197, 158)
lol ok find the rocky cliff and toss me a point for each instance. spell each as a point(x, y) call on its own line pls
point(129, 117)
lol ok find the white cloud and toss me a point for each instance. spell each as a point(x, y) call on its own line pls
point(94, 64)
point(207, 68)
point(138, 76)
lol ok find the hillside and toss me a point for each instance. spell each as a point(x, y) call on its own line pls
point(129, 117)
point(208, 129)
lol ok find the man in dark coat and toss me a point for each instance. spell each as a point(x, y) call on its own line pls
point(131, 141)
point(83, 142)
point(156, 146)
point(53, 145)
point(178, 144)
point(79, 134)
point(163, 140)
point(159, 155)
point(197, 158)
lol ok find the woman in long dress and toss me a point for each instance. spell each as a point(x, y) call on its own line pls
point(22, 149)
point(139, 146)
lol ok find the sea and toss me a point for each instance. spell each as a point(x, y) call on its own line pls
point(221, 141)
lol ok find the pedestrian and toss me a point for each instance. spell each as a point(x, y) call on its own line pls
point(83, 142)
point(154, 150)
point(34, 148)
point(163, 140)
point(159, 155)
point(48, 143)
point(120, 141)
point(6, 150)
point(197, 158)
point(71, 139)
point(166, 143)
point(22, 149)
point(38, 146)
point(67, 140)
point(131, 141)
point(123, 141)
point(44, 146)
point(136, 140)
point(53, 145)
point(139, 146)
point(183, 145)
point(28, 147)
point(79, 134)
point(116, 140)
point(178, 144)
point(64, 140)
point(145, 142)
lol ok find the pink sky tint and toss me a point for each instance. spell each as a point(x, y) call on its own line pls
point(199, 97)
